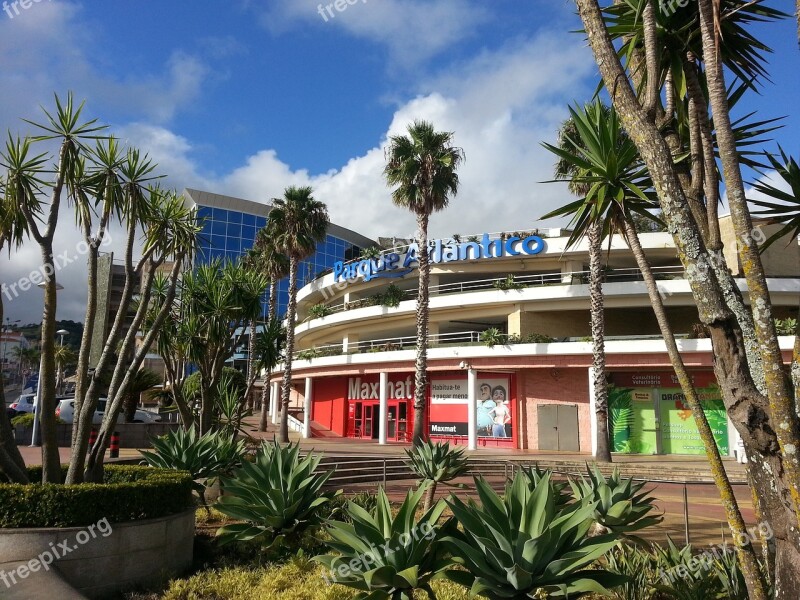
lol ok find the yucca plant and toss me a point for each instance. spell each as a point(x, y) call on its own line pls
point(276, 495)
point(387, 558)
point(521, 545)
point(684, 576)
point(639, 565)
point(436, 463)
point(206, 456)
point(619, 507)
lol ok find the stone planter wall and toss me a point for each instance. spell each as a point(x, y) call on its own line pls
point(134, 553)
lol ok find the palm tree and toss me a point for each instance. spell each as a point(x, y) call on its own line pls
point(619, 185)
point(65, 357)
point(568, 137)
point(296, 224)
point(422, 167)
point(276, 267)
point(27, 180)
point(268, 354)
point(144, 380)
point(13, 230)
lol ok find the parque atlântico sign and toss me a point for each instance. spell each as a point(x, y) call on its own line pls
point(439, 251)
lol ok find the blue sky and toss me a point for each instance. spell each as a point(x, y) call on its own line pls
point(246, 97)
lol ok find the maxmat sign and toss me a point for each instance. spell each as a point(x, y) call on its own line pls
point(439, 251)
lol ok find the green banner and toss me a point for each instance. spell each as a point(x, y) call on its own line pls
point(679, 434)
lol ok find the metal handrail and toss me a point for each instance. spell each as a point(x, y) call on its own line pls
point(528, 280)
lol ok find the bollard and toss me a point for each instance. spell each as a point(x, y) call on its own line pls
point(114, 450)
point(92, 439)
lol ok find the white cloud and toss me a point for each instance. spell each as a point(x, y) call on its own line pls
point(411, 30)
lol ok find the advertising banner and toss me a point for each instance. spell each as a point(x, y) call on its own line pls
point(449, 399)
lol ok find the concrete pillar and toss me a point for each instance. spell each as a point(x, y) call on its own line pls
point(433, 285)
point(433, 332)
point(472, 424)
point(521, 323)
point(383, 418)
point(276, 402)
point(567, 268)
point(307, 408)
point(349, 342)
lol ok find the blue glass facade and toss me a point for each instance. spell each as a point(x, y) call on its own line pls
point(228, 234)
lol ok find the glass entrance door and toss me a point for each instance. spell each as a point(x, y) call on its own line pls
point(365, 421)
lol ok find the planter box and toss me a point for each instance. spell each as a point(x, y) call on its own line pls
point(131, 435)
point(132, 554)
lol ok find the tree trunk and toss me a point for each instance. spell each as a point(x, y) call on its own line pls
point(291, 309)
point(745, 553)
point(272, 314)
point(46, 409)
point(82, 369)
point(781, 398)
point(597, 315)
point(748, 409)
point(251, 374)
point(430, 496)
point(421, 364)
point(11, 463)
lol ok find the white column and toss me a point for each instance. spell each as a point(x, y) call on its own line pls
point(276, 402)
point(472, 426)
point(307, 409)
point(383, 418)
point(592, 415)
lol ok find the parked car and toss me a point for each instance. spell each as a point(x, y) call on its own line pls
point(24, 404)
point(66, 412)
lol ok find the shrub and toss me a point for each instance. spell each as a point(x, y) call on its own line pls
point(522, 544)
point(128, 493)
point(26, 420)
point(786, 326)
point(203, 457)
point(391, 297)
point(509, 283)
point(319, 311)
point(639, 566)
point(492, 337)
point(278, 494)
point(337, 507)
point(385, 557)
point(436, 463)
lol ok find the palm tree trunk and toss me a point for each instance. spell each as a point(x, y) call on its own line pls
point(596, 309)
point(781, 398)
point(745, 553)
point(11, 463)
point(291, 309)
point(251, 375)
point(51, 461)
point(430, 496)
point(82, 369)
point(272, 315)
point(421, 364)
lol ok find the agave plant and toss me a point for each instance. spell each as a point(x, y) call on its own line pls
point(521, 545)
point(436, 463)
point(619, 506)
point(278, 494)
point(388, 558)
point(206, 456)
point(536, 476)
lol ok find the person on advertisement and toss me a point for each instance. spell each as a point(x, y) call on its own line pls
point(501, 413)
point(485, 404)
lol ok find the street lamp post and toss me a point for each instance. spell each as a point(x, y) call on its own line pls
point(38, 398)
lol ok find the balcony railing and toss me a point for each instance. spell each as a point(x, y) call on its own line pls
point(512, 282)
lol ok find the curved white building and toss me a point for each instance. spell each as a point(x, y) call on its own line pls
point(510, 351)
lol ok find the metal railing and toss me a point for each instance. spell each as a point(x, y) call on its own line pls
point(515, 282)
point(389, 344)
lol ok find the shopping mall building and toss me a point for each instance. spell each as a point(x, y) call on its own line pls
point(510, 353)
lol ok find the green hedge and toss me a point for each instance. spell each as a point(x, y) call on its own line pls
point(129, 493)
